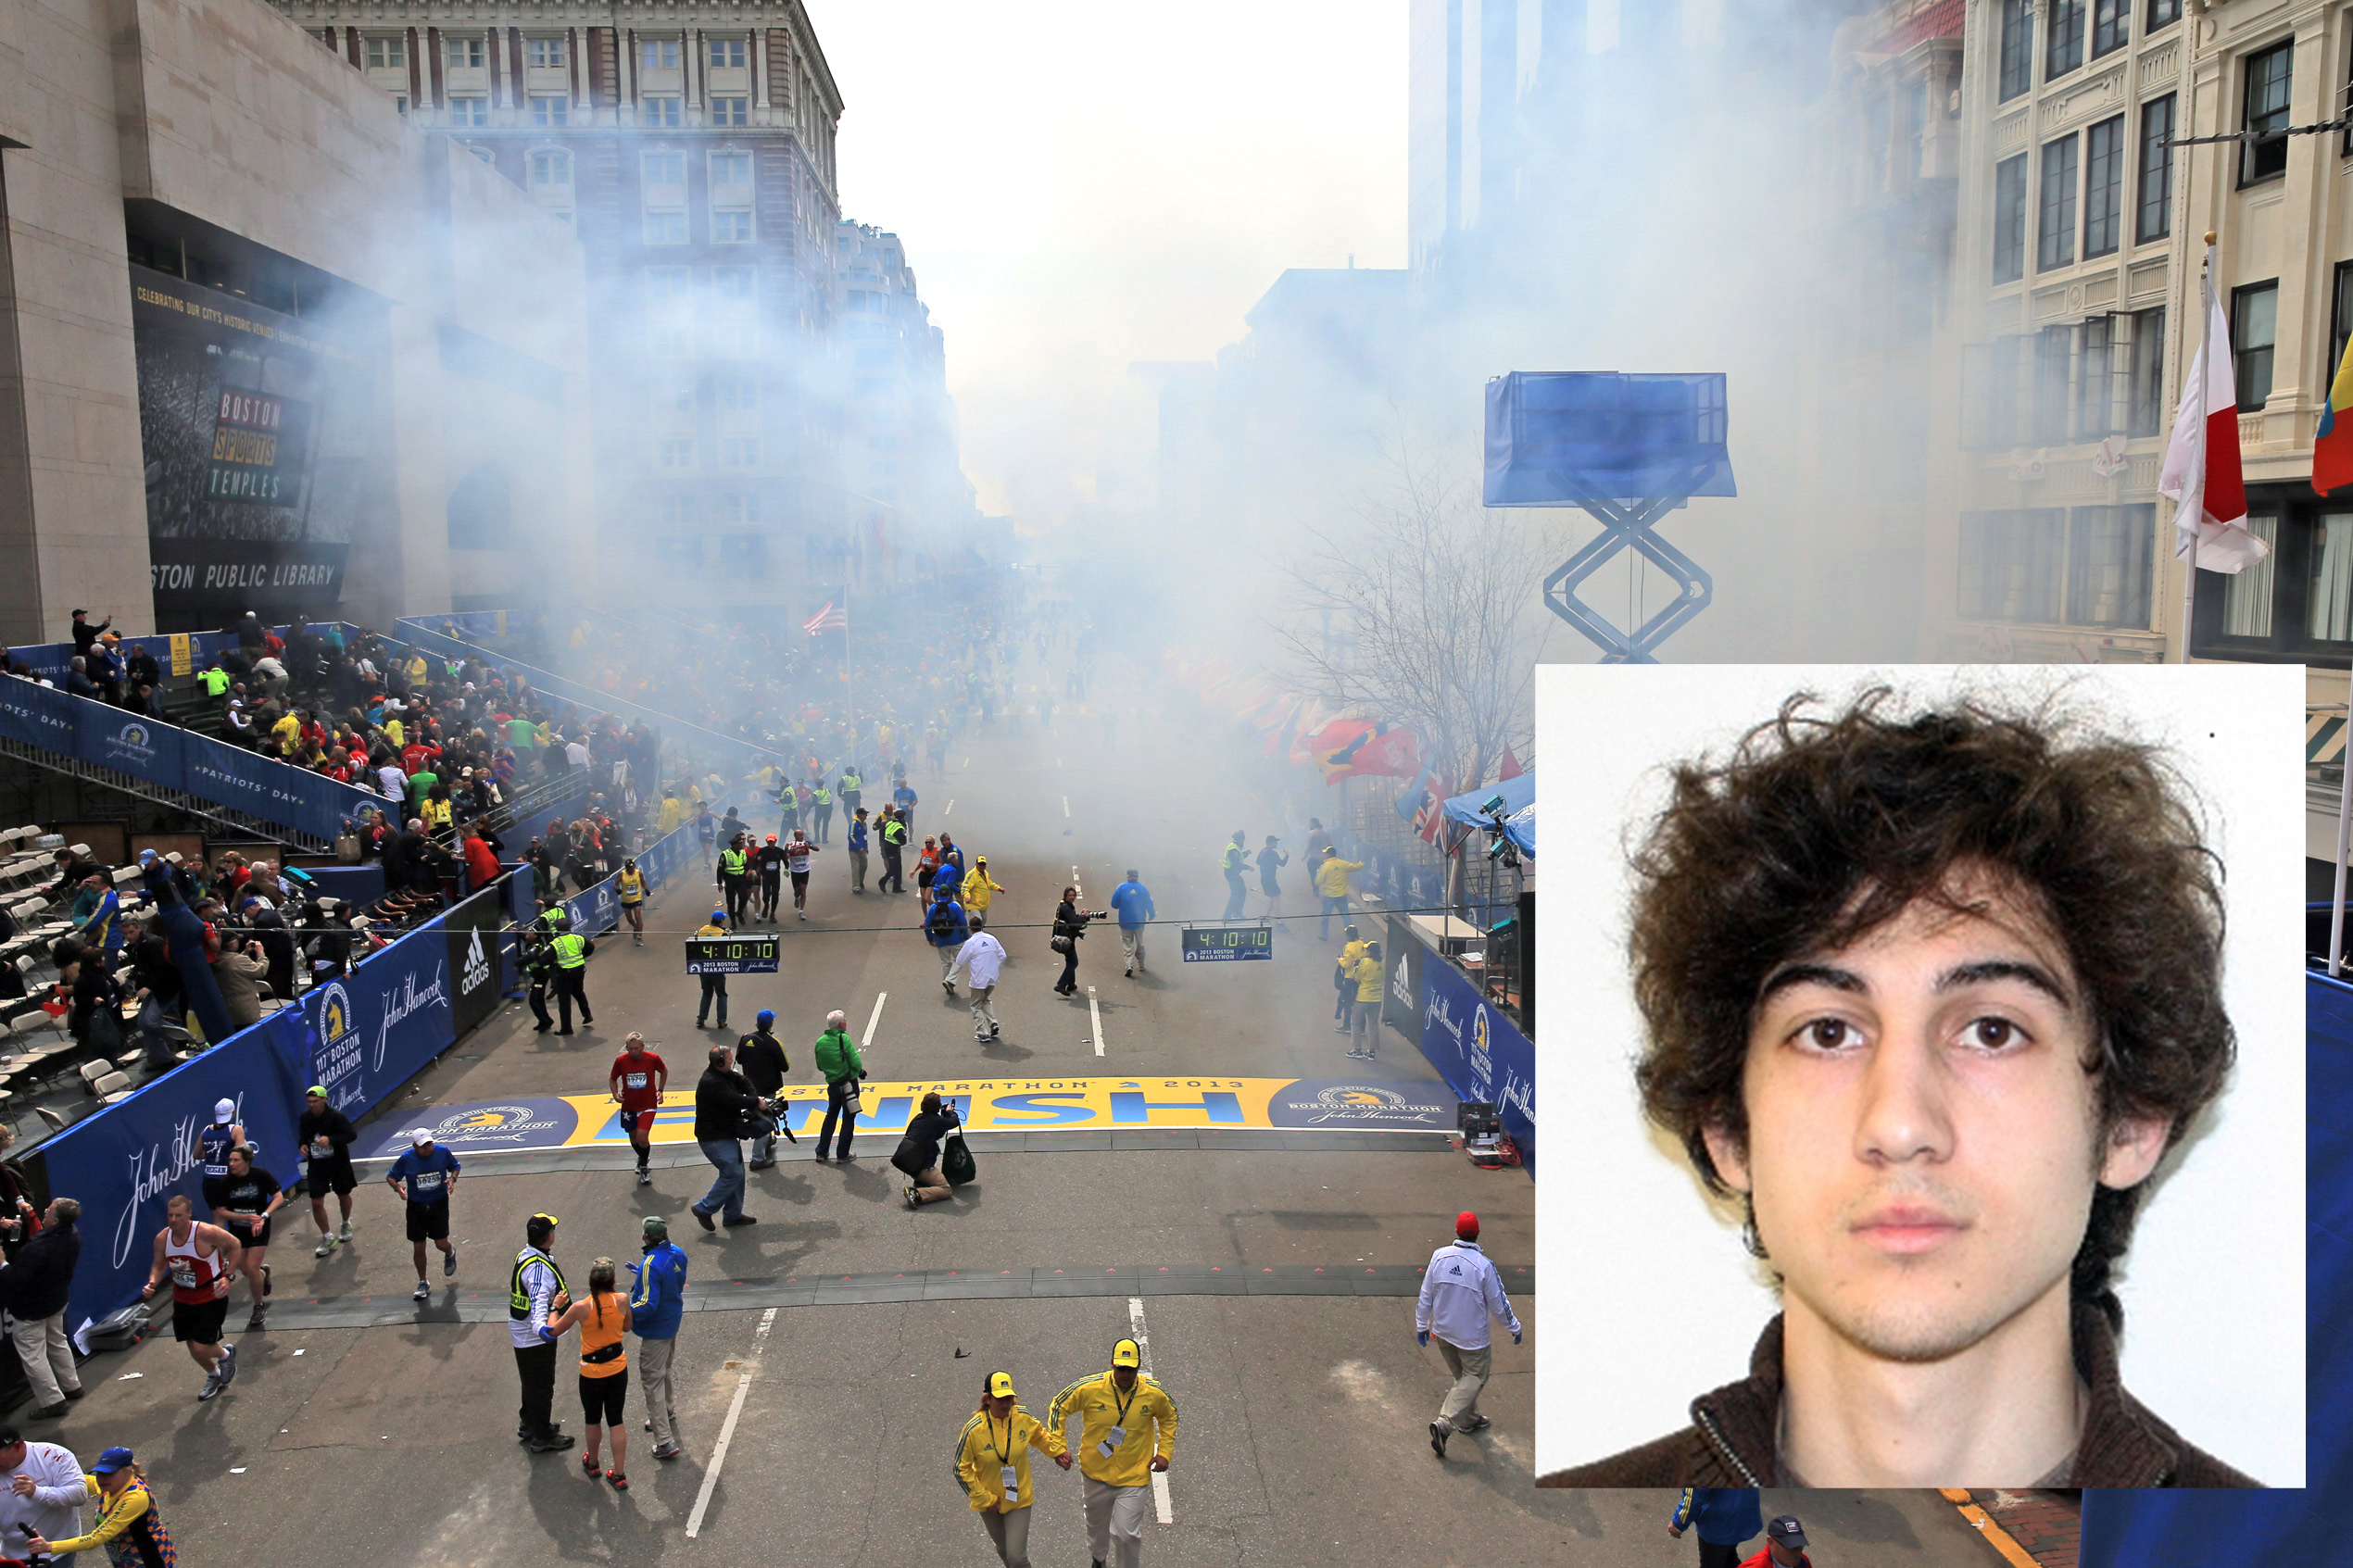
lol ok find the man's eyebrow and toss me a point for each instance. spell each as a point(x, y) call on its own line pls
point(1823, 974)
point(1984, 971)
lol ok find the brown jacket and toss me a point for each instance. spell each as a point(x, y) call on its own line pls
point(1732, 1440)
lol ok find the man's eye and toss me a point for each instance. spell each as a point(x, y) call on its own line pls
point(1994, 1033)
point(1832, 1033)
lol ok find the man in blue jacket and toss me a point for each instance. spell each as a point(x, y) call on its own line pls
point(1724, 1516)
point(945, 928)
point(1134, 902)
point(654, 1308)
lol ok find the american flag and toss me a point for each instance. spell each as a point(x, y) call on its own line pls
point(828, 619)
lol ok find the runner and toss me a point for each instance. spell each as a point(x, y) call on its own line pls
point(797, 855)
point(903, 800)
point(242, 1203)
point(198, 1260)
point(213, 1143)
point(638, 1081)
point(601, 1317)
point(927, 871)
point(327, 1136)
point(631, 885)
point(771, 859)
point(430, 1173)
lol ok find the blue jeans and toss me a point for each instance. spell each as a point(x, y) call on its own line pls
point(1332, 907)
point(727, 1156)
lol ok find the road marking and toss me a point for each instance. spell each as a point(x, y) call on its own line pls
point(968, 761)
point(1065, 804)
point(1095, 1014)
point(872, 1019)
point(1144, 1344)
point(1058, 761)
point(727, 1432)
point(952, 807)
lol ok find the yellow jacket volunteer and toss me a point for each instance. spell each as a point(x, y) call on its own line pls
point(1331, 877)
point(631, 886)
point(1144, 1416)
point(988, 1444)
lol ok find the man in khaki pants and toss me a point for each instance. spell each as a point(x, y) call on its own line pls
point(1460, 1291)
point(33, 1288)
point(1127, 1434)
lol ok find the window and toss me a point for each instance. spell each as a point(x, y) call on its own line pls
point(677, 397)
point(2164, 13)
point(2009, 219)
point(2018, 48)
point(468, 112)
point(400, 102)
point(657, 54)
point(465, 54)
point(2268, 78)
point(738, 393)
point(676, 513)
point(664, 169)
point(2104, 187)
point(2054, 384)
point(682, 552)
point(2111, 26)
point(2328, 598)
point(2063, 40)
point(732, 284)
point(740, 452)
point(738, 509)
point(2340, 322)
point(550, 108)
point(486, 155)
point(664, 112)
point(666, 227)
point(731, 168)
point(728, 54)
point(2255, 319)
point(2155, 220)
point(2246, 602)
point(2011, 564)
point(387, 54)
point(731, 111)
point(2107, 566)
point(668, 340)
point(676, 453)
point(2094, 379)
point(2056, 226)
point(544, 54)
point(2147, 414)
point(665, 283)
point(549, 165)
point(731, 227)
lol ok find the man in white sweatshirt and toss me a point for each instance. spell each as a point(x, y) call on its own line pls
point(983, 958)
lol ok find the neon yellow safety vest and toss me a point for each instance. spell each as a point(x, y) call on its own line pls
point(569, 951)
point(824, 797)
point(1235, 859)
point(517, 1298)
point(733, 862)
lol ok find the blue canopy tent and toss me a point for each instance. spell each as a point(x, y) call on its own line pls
point(1519, 810)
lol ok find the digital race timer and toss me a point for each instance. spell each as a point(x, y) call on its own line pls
point(1217, 944)
point(731, 955)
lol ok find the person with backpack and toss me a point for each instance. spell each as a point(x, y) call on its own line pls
point(760, 1056)
point(917, 1158)
point(945, 928)
point(1070, 929)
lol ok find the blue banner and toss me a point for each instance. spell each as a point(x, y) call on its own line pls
point(124, 1163)
point(380, 1026)
point(1481, 1053)
point(146, 748)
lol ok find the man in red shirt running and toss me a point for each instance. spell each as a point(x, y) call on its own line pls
point(197, 1259)
point(1784, 1545)
point(638, 1078)
point(797, 855)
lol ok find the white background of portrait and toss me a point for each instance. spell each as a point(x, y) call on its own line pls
point(1651, 1300)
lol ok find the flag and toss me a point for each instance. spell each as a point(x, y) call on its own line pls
point(1430, 817)
point(1382, 748)
point(1315, 739)
point(2333, 448)
point(828, 619)
point(1409, 804)
point(1512, 769)
point(2202, 475)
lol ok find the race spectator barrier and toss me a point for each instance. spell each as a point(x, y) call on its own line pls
point(1481, 1053)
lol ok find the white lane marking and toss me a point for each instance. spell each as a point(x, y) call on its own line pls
point(1144, 1344)
point(872, 1019)
point(1058, 761)
point(968, 761)
point(952, 807)
point(1095, 1015)
point(727, 1432)
point(1065, 804)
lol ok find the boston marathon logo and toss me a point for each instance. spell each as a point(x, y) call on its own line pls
point(491, 1124)
point(133, 744)
point(338, 1055)
point(1339, 1103)
point(1482, 1066)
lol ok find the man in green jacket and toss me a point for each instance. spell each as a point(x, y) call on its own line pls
point(838, 1059)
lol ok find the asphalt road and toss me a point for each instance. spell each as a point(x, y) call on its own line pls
point(1303, 1409)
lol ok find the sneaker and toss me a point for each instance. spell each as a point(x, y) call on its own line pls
point(212, 1384)
point(911, 1197)
point(620, 1482)
point(759, 1164)
point(227, 1364)
point(326, 1245)
point(423, 1291)
point(1439, 1433)
point(948, 986)
point(254, 1322)
point(1476, 1423)
point(1131, 975)
point(981, 1037)
point(1356, 1054)
point(645, 1177)
point(345, 1234)
point(595, 1472)
point(740, 1220)
point(704, 1220)
point(265, 1280)
point(992, 1031)
point(449, 1262)
point(804, 914)
point(51, 1412)
point(552, 1443)
point(667, 1450)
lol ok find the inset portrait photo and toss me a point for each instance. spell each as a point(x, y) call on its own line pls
point(1932, 1042)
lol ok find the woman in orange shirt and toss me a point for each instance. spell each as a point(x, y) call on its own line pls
point(601, 1316)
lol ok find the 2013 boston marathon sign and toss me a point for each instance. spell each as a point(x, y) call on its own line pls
point(987, 1105)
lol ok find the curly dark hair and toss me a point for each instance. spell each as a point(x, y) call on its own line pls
point(1819, 830)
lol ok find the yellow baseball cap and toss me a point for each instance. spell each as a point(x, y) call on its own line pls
point(1000, 1385)
point(1126, 1353)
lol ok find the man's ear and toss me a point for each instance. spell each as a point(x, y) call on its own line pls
point(1730, 1156)
point(2135, 1146)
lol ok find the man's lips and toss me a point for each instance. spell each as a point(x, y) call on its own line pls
point(1908, 1228)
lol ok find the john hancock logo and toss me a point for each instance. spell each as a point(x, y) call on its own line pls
point(132, 743)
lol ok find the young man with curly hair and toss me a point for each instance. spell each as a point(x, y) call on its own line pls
point(1932, 994)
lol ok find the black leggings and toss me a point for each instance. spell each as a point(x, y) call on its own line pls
point(601, 1399)
point(1070, 970)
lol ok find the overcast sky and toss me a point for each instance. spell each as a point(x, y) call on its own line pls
point(1081, 185)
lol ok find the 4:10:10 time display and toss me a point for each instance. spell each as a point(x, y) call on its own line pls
point(1225, 942)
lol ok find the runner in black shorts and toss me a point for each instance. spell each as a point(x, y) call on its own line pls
point(327, 1136)
point(430, 1174)
point(243, 1202)
point(198, 1259)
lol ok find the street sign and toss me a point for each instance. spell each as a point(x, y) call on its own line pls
point(731, 955)
point(1221, 944)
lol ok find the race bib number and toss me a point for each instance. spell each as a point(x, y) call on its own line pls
point(184, 1275)
point(322, 1149)
point(426, 1181)
point(1010, 1480)
point(635, 1080)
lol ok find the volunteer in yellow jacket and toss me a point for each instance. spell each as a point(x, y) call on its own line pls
point(992, 1465)
point(1331, 887)
point(1128, 1431)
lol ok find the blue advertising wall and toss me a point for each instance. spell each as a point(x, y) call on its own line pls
point(1398, 882)
point(1481, 1053)
point(170, 758)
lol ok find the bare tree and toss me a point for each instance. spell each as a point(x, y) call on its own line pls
point(1442, 599)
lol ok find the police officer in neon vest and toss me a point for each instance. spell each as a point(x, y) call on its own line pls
point(1236, 859)
point(572, 953)
point(735, 877)
point(894, 843)
point(535, 1298)
point(825, 801)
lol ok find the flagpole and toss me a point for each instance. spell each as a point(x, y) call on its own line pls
point(2204, 374)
